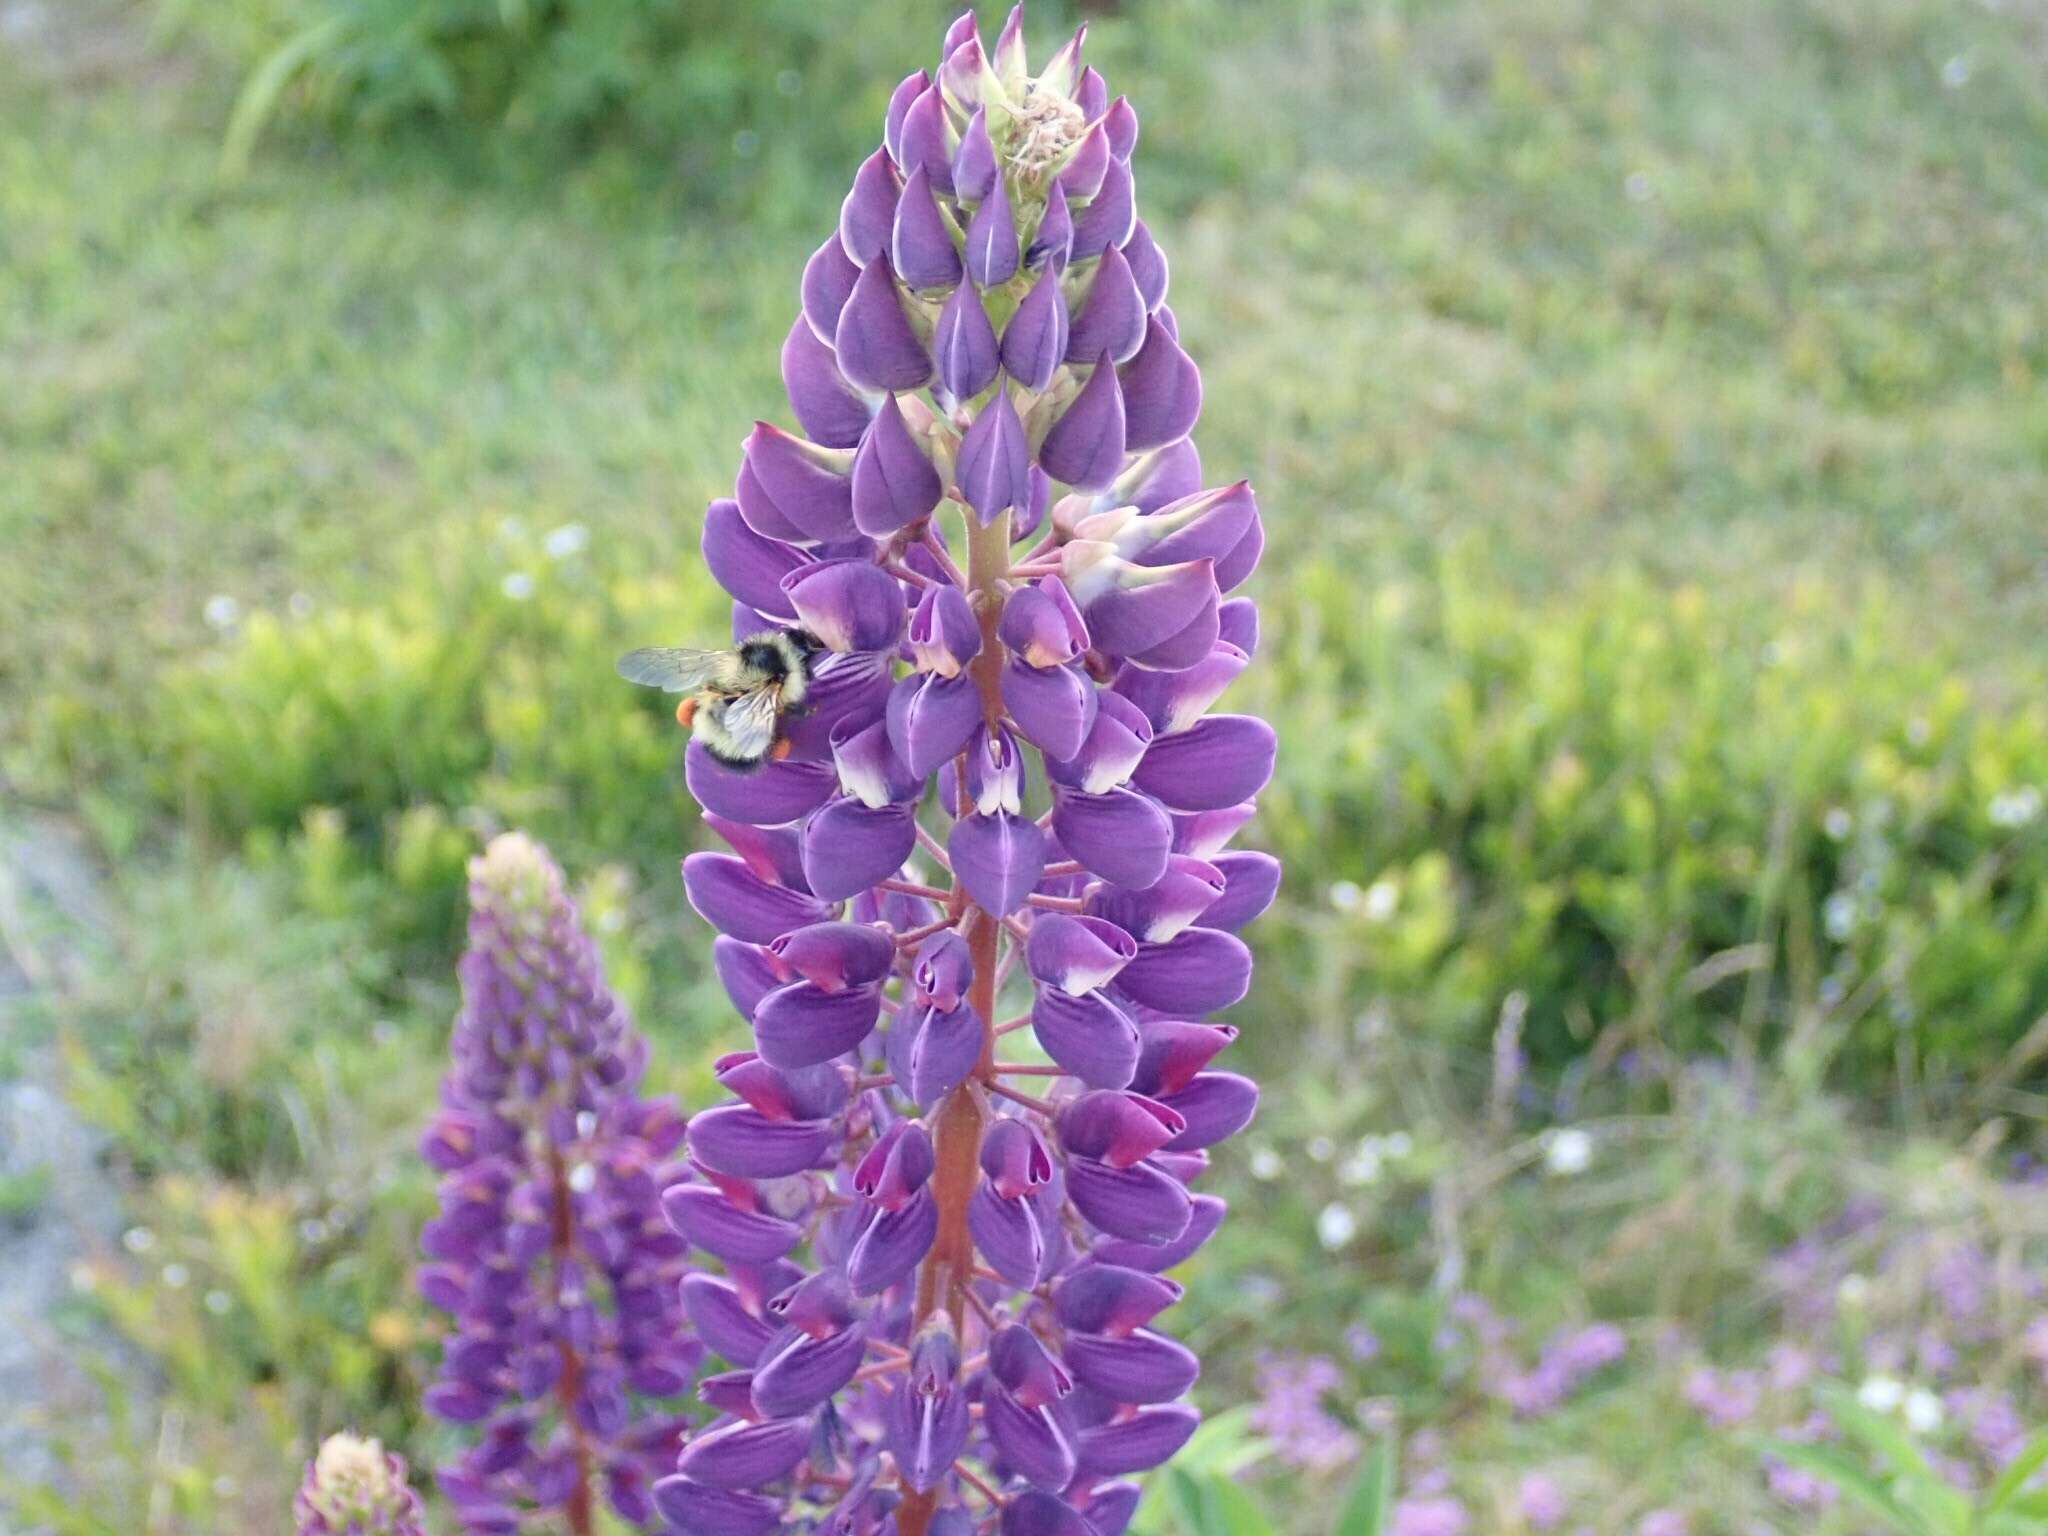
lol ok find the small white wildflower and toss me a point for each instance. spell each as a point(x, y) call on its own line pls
point(517, 585)
point(1335, 1226)
point(569, 539)
point(586, 1123)
point(1838, 824)
point(583, 1178)
point(2015, 807)
point(218, 1302)
point(312, 1230)
point(1381, 898)
point(1638, 187)
point(1344, 895)
point(1398, 1145)
point(1321, 1149)
point(138, 1239)
point(1955, 74)
point(177, 1276)
point(1854, 1290)
point(1362, 1166)
point(1838, 916)
point(1881, 1394)
point(1568, 1150)
point(1923, 1411)
point(222, 611)
point(299, 605)
point(1266, 1165)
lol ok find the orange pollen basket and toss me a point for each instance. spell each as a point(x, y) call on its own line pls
point(686, 712)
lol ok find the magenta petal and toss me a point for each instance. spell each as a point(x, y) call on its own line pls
point(1200, 971)
point(1213, 1107)
point(712, 1222)
point(1216, 763)
point(799, 1025)
point(1142, 1367)
point(693, 1509)
point(892, 1245)
point(1090, 1036)
point(1122, 836)
point(850, 605)
point(1139, 1203)
point(868, 215)
point(946, 1049)
point(1085, 447)
point(836, 955)
point(921, 246)
point(894, 483)
point(998, 859)
point(1117, 1127)
point(1139, 1443)
point(745, 1455)
point(1035, 340)
point(965, 345)
point(826, 406)
point(766, 796)
point(877, 346)
point(995, 459)
point(1112, 318)
point(736, 901)
point(1174, 1051)
point(1108, 1298)
point(1006, 1234)
point(1148, 265)
point(747, 565)
point(802, 492)
point(1053, 706)
point(1156, 1258)
point(992, 246)
point(1109, 216)
point(828, 282)
point(1252, 881)
point(932, 718)
point(775, 853)
point(1162, 391)
point(849, 847)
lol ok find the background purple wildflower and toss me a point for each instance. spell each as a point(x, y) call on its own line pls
point(354, 1487)
point(550, 1251)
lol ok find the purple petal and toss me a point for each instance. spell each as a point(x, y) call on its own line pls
point(799, 1025)
point(995, 459)
point(693, 1509)
point(1089, 1036)
point(1163, 909)
point(944, 633)
point(1174, 1051)
point(766, 796)
point(1110, 1299)
point(1173, 701)
point(921, 143)
point(1019, 1360)
point(849, 847)
point(746, 1455)
point(1122, 836)
point(1082, 175)
point(921, 247)
point(1156, 1258)
point(739, 1140)
point(974, 162)
point(1214, 764)
point(1042, 625)
point(944, 970)
point(1116, 744)
point(1006, 1234)
point(833, 956)
point(868, 215)
point(1144, 1367)
point(925, 1432)
point(1148, 265)
point(794, 477)
point(844, 685)
point(1035, 1512)
point(892, 1244)
point(1109, 216)
point(1035, 340)
point(1014, 1159)
point(1209, 525)
point(1252, 880)
point(905, 96)
point(1135, 610)
point(1117, 1127)
point(1112, 319)
point(869, 769)
point(722, 1320)
point(1009, 54)
point(1139, 1443)
point(850, 605)
point(1091, 94)
point(877, 346)
point(745, 971)
point(1214, 1106)
point(932, 718)
point(712, 1222)
point(992, 247)
point(1076, 954)
point(828, 282)
point(995, 772)
point(1029, 1441)
point(1157, 477)
point(1200, 971)
point(828, 408)
point(894, 483)
point(1204, 834)
point(998, 859)
point(1052, 243)
point(1053, 706)
point(1122, 126)
point(1111, 1506)
point(966, 346)
point(804, 1372)
point(748, 566)
point(947, 1047)
point(736, 901)
point(1140, 1203)
point(1085, 448)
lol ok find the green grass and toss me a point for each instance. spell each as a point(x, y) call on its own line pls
point(1527, 315)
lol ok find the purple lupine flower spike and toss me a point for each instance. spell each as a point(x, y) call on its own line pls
point(354, 1487)
point(980, 916)
point(551, 1251)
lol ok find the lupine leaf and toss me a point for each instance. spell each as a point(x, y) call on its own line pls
point(1853, 1481)
point(1369, 1505)
point(2033, 1455)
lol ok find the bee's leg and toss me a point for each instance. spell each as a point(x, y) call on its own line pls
point(686, 712)
point(781, 750)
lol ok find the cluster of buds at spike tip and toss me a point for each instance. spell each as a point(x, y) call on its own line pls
point(551, 1252)
point(981, 913)
point(354, 1487)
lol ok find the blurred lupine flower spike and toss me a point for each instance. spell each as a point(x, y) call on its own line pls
point(982, 901)
point(354, 1487)
point(551, 1251)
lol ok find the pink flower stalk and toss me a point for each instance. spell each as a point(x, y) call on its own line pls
point(354, 1487)
point(981, 900)
point(550, 1251)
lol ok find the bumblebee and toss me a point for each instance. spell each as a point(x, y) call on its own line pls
point(737, 699)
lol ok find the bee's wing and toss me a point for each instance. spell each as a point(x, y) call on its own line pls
point(672, 668)
point(750, 721)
